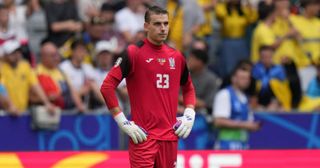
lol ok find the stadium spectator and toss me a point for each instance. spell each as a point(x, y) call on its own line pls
point(17, 18)
point(235, 19)
point(206, 29)
point(283, 28)
point(274, 93)
point(63, 21)
point(55, 84)
point(129, 20)
point(94, 32)
point(185, 19)
point(308, 26)
point(206, 83)
point(89, 8)
point(81, 74)
point(279, 85)
point(104, 62)
point(263, 34)
point(7, 32)
point(231, 112)
point(36, 25)
point(251, 90)
point(19, 79)
point(108, 14)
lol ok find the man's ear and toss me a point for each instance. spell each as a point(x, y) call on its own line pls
point(146, 26)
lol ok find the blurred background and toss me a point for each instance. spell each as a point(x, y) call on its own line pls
point(55, 54)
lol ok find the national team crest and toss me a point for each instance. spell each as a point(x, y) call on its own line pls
point(172, 63)
point(161, 61)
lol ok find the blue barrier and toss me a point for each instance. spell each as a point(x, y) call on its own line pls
point(100, 132)
point(76, 132)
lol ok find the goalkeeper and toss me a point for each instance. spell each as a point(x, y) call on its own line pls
point(154, 73)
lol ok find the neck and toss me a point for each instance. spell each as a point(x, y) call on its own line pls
point(307, 15)
point(104, 68)
point(198, 70)
point(12, 64)
point(155, 42)
point(47, 66)
point(76, 63)
point(268, 21)
point(236, 88)
point(4, 26)
point(133, 8)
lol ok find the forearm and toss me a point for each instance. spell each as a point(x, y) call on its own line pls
point(228, 123)
point(63, 26)
point(108, 91)
point(96, 91)
point(38, 90)
point(189, 97)
point(76, 97)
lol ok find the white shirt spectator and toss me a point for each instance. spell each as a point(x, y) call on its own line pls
point(17, 20)
point(86, 6)
point(127, 20)
point(101, 75)
point(77, 76)
point(222, 103)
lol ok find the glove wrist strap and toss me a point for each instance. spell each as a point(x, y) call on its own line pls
point(189, 111)
point(120, 118)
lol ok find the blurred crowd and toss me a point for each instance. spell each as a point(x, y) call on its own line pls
point(57, 52)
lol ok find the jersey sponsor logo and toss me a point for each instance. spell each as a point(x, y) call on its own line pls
point(172, 63)
point(149, 60)
point(161, 61)
point(118, 62)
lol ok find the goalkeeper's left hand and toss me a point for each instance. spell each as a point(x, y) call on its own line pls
point(184, 125)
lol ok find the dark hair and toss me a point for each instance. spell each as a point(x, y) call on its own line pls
point(44, 41)
point(241, 65)
point(154, 10)
point(266, 47)
point(77, 43)
point(200, 55)
point(305, 3)
point(237, 6)
point(2, 6)
point(107, 7)
point(265, 10)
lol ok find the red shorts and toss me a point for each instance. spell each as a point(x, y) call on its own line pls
point(153, 154)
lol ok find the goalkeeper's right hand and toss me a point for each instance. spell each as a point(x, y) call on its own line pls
point(136, 133)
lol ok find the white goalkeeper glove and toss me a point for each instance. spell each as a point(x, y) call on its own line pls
point(184, 124)
point(136, 133)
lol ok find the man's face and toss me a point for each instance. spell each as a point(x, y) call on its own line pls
point(14, 57)
point(79, 53)
point(282, 4)
point(97, 31)
point(104, 59)
point(241, 79)
point(266, 57)
point(50, 56)
point(158, 27)
point(194, 63)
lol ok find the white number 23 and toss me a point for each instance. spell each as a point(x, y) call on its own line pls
point(163, 81)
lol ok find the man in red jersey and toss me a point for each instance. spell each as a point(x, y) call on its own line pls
point(154, 73)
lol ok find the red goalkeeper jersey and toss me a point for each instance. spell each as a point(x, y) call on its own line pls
point(153, 75)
